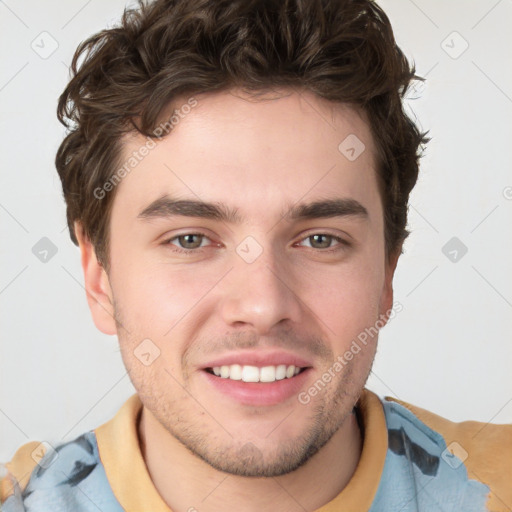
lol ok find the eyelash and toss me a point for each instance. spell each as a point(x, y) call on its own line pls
point(190, 252)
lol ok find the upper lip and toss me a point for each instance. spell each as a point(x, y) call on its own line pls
point(260, 358)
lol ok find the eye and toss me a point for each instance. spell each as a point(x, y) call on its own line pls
point(323, 241)
point(188, 242)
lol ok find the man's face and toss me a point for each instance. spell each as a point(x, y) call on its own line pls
point(277, 283)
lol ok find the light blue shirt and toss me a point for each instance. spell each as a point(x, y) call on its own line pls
point(419, 475)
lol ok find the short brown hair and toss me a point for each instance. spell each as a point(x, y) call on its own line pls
point(341, 50)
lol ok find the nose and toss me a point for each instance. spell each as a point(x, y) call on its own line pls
point(259, 294)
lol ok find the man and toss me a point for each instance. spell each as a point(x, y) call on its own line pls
point(237, 176)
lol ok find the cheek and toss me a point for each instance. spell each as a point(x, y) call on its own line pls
point(347, 302)
point(154, 297)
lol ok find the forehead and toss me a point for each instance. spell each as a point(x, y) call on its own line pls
point(254, 153)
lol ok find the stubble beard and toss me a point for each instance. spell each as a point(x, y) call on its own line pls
point(237, 457)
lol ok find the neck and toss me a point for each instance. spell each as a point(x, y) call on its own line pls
point(186, 483)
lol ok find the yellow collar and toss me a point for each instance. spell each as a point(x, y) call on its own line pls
point(119, 450)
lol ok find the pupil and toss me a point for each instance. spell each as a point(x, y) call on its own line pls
point(187, 241)
point(318, 240)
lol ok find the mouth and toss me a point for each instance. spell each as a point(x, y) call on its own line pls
point(256, 386)
point(249, 373)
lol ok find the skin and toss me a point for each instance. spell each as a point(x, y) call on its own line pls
point(202, 448)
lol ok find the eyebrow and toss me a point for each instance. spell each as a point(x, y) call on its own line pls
point(165, 207)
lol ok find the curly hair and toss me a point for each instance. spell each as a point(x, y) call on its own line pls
point(123, 78)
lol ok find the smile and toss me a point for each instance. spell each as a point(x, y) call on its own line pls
point(248, 373)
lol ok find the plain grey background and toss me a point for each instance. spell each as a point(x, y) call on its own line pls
point(448, 351)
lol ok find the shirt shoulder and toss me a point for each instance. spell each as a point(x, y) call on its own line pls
point(69, 476)
point(14, 475)
point(482, 450)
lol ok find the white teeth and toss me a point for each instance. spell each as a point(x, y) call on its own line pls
point(268, 374)
point(235, 372)
point(249, 373)
point(280, 372)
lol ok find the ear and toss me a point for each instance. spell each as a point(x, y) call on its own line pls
point(386, 299)
point(97, 285)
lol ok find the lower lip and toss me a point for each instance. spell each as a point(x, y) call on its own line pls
point(259, 393)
